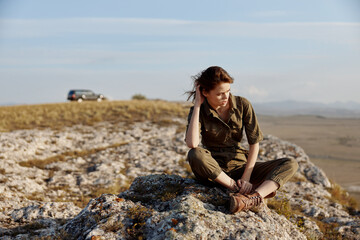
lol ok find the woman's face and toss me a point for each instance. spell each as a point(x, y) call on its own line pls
point(219, 96)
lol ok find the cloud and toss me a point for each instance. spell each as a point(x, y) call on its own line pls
point(338, 32)
point(271, 14)
point(110, 48)
point(256, 92)
point(88, 57)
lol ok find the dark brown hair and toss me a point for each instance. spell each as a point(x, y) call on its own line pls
point(209, 79)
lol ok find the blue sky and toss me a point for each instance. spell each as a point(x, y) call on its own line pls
point(275, 50)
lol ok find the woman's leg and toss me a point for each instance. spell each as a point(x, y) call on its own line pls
point(206, 168)
point(271, 175)
point(267, 187)
point(266, 177)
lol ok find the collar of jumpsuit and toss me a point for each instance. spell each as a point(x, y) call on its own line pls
point(210, 111)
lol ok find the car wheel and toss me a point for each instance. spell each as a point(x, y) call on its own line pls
point(80, 100)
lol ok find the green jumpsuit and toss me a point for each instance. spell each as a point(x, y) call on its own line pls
point(222, 150)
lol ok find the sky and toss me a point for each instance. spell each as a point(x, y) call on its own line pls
point(275, 50)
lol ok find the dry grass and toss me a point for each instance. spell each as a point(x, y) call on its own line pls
point(294, 214)
point(80, 200)
point(59, 115)
point(339, 195)
point(97, 191)
point(42, 163)
point(281, 206)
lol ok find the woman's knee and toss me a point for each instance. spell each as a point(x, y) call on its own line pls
point(292, 164)
point(197, 156)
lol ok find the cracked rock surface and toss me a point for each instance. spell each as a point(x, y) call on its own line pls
point(131, 181)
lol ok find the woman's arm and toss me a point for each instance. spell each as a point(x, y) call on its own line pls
point(193, 133)
point(244, 182)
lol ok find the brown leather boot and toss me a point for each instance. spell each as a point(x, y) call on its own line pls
point(240, 202)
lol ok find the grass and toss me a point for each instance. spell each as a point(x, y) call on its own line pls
point(59, 115)
point(42, 163)
point(282, 206)
point(116, 188)
point(339, 195)
point(80, 200)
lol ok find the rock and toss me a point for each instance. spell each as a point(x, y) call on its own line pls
point(316, 175)
point(57, 210)
point(46, 175)
point(172, 207)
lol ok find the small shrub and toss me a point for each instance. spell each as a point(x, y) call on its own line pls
point(138, 97)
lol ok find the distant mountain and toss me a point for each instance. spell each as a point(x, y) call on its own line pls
point(336, 109)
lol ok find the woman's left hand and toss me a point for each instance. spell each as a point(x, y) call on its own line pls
point(245, 186)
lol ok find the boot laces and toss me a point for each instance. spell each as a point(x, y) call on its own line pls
point(252, 201)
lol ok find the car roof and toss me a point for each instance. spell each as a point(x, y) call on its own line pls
point(80, 90)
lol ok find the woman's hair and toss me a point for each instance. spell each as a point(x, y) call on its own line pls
point(209, 79)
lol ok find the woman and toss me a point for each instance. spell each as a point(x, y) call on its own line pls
point(219, 118)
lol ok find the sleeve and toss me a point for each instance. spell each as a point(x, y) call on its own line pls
point(252, 128)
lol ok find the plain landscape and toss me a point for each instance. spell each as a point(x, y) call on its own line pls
point(333, 144)
point(117, 170)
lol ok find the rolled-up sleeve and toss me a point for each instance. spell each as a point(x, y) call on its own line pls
point(252, 128)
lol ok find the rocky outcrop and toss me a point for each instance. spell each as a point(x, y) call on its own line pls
point(172, 207)
point(48, 176)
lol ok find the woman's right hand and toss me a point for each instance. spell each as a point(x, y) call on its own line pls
point(199, 97)
point(245, 186)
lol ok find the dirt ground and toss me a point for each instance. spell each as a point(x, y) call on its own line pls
point(333, 144)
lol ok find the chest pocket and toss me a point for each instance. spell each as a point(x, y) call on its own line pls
point(237, 130)
point(214, 134)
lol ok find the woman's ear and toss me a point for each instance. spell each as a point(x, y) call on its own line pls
point(204, 93)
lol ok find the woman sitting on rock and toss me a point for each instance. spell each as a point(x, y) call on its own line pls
point(219, 117)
